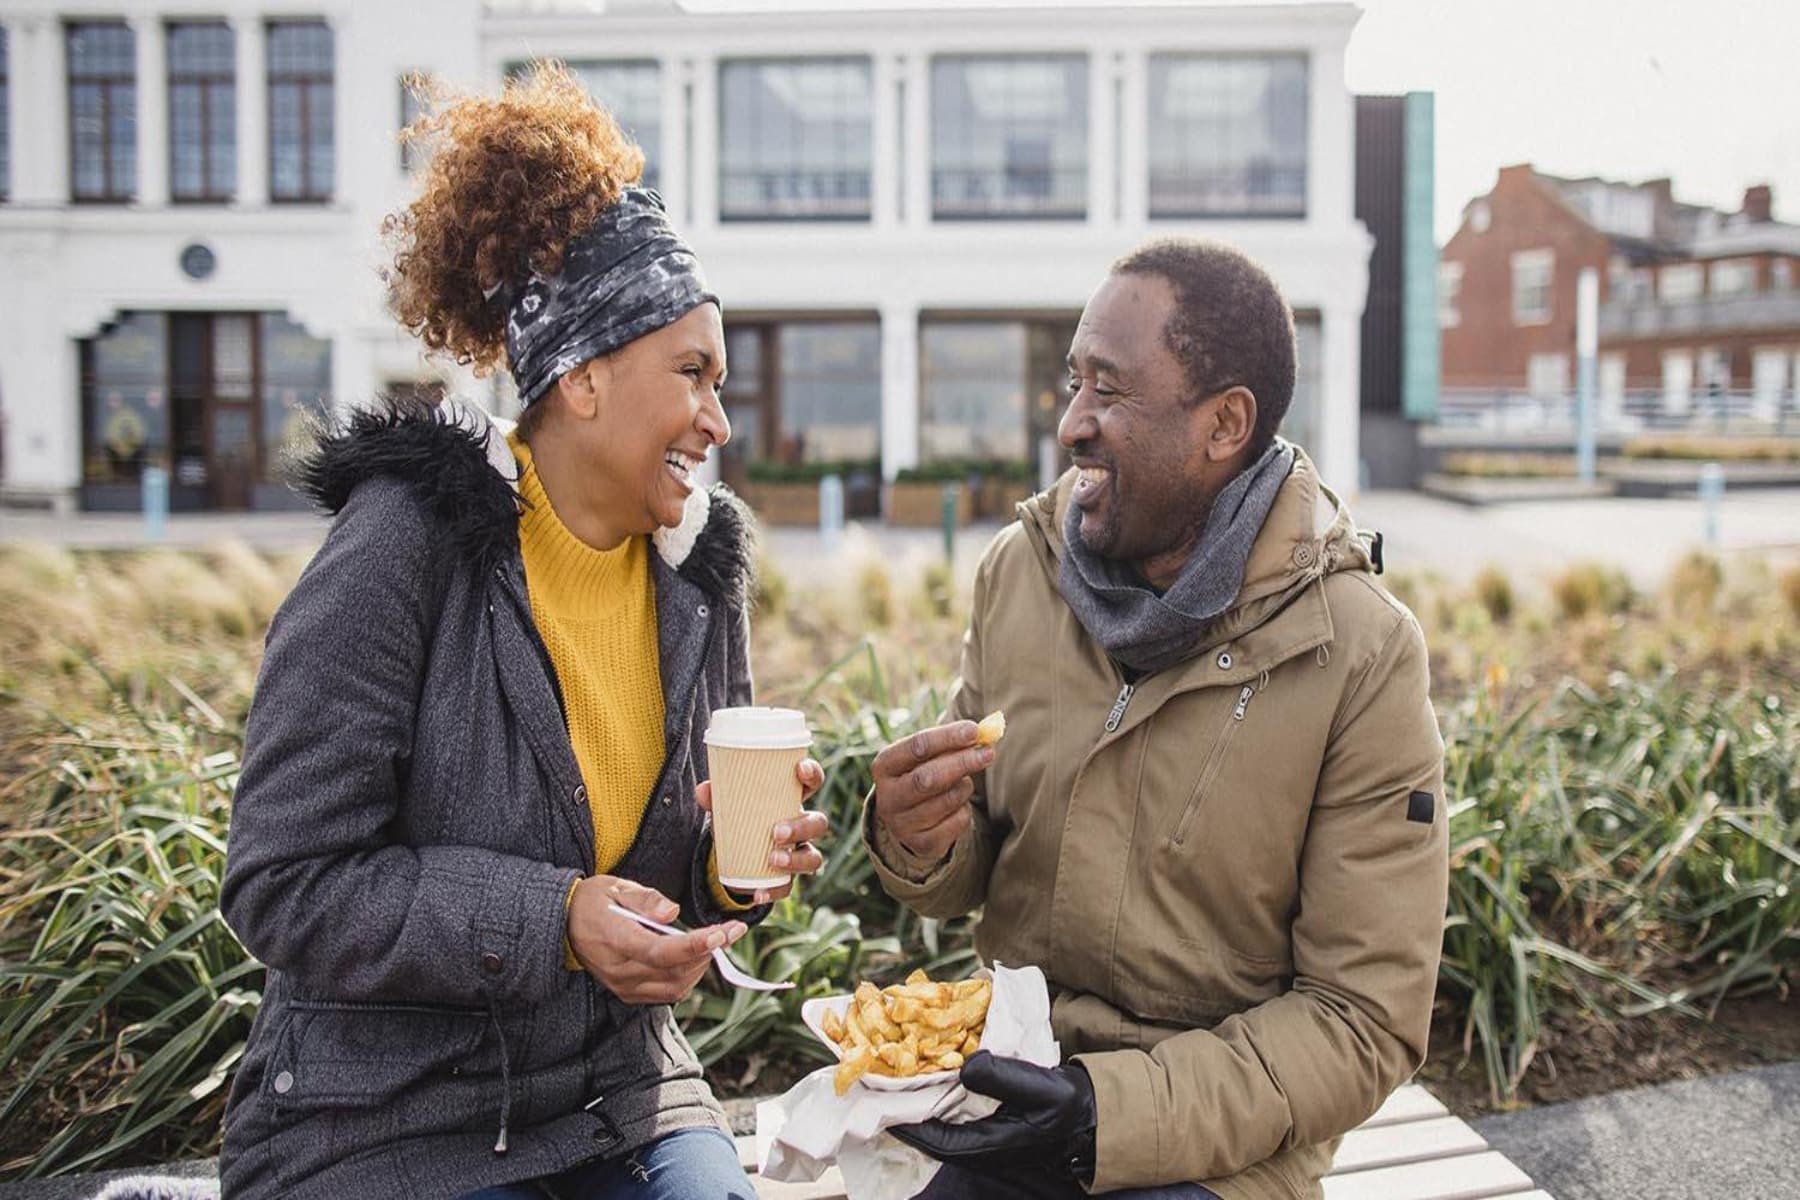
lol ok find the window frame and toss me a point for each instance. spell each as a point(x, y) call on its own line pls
point(654, 165)
point(1517, 263)
point(866, 214)
point(108, 85)
point(5, 114)
point(1681, 270)
point(1301, 209)
point(1449, 294)
point(411, 156)
point(306, 82)
point(1743, 268)
point(1078, 210)
point(205, 83)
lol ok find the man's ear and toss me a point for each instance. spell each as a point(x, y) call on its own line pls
point(583, 388)
point(1230, 423)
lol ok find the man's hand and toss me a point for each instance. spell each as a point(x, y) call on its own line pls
point(634, 964)
point(1046, 1116)
point(923, 786)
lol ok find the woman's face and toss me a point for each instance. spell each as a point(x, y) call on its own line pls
point(652, 413)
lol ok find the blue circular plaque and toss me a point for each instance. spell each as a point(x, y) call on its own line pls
point(197, 261)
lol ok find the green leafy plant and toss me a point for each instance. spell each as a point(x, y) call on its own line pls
point(124, 999)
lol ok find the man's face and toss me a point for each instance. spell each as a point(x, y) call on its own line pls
point(1142, 489)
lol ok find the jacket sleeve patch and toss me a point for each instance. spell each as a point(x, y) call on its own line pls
point(1421, 807)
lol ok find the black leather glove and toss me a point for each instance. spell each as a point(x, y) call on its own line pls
point(1046, 1116)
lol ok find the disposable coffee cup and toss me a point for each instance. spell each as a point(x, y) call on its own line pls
point(751, 755)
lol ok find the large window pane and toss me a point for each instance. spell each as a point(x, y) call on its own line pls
point(632, 92)
point(1227, 135)
point(5, 119)
point(202, 111)
point(1009, 136)
point(1301, 424)
point(102, 64)
point(972, 393)
point(301, 98)
point(831, 389)
point(124, 373)
point(296, 385)
point(794, 138)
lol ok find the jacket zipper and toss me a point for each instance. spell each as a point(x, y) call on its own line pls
point(1213, 762)
point(1119, 705)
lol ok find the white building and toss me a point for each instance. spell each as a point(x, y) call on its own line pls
point(904, 212)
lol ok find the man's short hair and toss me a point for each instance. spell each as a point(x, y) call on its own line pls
point(1230, 328)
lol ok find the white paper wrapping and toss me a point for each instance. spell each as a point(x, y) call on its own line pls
point(802, 1132)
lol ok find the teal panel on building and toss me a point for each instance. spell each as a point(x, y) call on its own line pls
point(1419, 371)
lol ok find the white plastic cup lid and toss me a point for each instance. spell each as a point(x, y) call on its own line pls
point(758, 728)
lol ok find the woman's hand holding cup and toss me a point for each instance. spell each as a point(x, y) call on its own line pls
point(793, 851)
point(760, 780)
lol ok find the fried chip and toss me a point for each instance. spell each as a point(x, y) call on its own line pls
point(991, 728)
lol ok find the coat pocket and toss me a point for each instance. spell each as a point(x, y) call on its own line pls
point(1209, 771)
point(350, 1054)
point(350, 1078)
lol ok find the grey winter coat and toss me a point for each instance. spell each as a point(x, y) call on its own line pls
point(409, 819)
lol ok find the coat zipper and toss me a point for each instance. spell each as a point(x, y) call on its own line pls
point(1213, 762)
point(1119, 705)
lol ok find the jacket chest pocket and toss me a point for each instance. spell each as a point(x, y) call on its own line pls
point(1209, 770)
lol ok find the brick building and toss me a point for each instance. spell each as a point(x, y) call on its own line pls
point(1697, 305)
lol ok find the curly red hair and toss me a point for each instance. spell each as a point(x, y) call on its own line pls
point(510, 181)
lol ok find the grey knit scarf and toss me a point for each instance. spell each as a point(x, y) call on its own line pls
point(1146, 631)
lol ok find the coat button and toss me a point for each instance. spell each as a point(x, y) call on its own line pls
point(491, 963)
point(1303, 554)
point(284, 1083)
point(1225, 660)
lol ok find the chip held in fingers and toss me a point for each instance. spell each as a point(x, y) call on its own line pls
point(990, 729)
point(907, 1029)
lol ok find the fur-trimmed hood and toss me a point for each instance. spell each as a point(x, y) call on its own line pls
point(455, 457)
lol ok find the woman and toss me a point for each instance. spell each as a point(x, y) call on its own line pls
point(479, 717)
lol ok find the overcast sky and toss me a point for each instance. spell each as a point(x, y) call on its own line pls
point(1704, 91)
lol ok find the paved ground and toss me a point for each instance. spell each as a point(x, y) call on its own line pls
point(1423, 533)
point(1729, 1137)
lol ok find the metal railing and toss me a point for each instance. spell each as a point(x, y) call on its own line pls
point(1009, 191)
point(1257, 189)
point(752, 194)
point(1500, 413)
point(1648, 318)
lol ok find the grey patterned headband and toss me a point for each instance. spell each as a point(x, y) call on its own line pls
point(627, 276)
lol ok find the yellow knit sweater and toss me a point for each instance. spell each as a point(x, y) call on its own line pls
point(596, 611)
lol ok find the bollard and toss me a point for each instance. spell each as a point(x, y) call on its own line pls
point(1712, 492)
point(154, 487)
point(949, 508)
point(831, 511)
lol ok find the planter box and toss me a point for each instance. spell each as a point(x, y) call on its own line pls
point(995, 499)
point(922, 504)
point(784, 503)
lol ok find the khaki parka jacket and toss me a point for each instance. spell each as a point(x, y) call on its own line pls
point(1233, 873)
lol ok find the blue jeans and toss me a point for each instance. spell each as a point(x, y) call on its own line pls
point(683, 1165)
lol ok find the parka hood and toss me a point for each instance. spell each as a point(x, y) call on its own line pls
point(455, 457)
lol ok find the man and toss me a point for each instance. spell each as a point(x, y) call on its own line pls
point(1217, 819)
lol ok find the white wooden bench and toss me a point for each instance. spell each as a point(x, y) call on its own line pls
point(1412, 1149)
